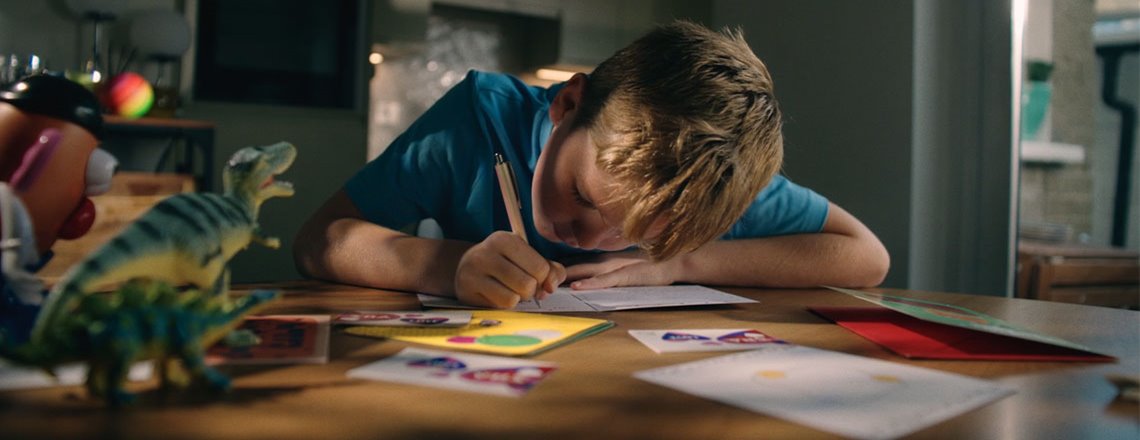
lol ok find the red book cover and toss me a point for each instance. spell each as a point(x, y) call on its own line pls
point(919, 339)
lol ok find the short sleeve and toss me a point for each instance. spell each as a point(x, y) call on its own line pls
point(415, 177)
point(781, 208)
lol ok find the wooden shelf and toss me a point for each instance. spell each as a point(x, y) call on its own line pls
point(1051, 152)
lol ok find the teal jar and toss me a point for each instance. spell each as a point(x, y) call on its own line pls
point(1035, 96)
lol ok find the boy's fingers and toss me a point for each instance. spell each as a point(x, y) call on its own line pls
point(555, 278)
point(521, 254)
point(496, 295)
point(602, 281)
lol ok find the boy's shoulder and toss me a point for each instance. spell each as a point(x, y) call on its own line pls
point(492, 81)
point(492, 85)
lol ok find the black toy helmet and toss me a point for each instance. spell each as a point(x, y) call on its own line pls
point(56, 97)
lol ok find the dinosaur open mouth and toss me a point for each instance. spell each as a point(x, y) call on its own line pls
point(270, 181)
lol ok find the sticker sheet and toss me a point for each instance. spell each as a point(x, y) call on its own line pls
point(843, 394)
point(668, 341)
point(430, 318)
point(477, 373)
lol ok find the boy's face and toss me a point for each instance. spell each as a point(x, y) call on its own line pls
point(573, 199)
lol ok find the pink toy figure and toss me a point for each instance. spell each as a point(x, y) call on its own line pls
point(49, 164)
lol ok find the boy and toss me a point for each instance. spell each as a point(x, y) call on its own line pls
point(670, 144)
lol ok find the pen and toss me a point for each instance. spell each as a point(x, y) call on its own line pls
point(510, 190)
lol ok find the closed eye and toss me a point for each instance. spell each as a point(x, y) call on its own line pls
point(582, 200)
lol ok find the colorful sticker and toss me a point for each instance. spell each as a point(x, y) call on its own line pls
point(521, 378)
point(676, 340)
point(674, 336)
point(748, 337)
point(443, 363)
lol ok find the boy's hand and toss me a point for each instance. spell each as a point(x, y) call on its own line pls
point(502, 270)
point(615, 269)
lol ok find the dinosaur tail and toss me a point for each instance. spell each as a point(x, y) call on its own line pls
point(251, 303)
point(29, 354)
point(60, 301)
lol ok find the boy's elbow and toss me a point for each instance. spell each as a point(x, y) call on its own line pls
point(878, 264)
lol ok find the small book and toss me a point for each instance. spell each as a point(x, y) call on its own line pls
point(285, 339)
point(921, 329)
point(497, 332)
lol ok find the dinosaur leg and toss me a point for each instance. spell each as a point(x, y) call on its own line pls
point(116, 377)
point(222, 284)
point(123, 345)
point(96, 379)
point(193, 357)
point(172, 373)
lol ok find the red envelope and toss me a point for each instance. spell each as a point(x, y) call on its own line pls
point(918, 339)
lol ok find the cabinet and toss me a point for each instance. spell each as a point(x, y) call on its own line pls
point(1103, 276)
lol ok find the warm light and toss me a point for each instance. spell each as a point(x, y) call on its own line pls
point(554, 74)
point(375, 58)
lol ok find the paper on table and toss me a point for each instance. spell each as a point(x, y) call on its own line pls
point(565, 299)
point(836, 392)
point(460, 371)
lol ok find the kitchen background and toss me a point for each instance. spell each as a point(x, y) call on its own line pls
point(899, 111)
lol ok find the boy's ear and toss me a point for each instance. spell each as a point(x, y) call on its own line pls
point(568, 98)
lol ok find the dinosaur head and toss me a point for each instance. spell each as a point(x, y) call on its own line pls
point(250, 172)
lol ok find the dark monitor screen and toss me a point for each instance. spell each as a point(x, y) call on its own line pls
point(284, 52)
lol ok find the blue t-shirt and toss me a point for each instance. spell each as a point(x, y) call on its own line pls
point(442, 168)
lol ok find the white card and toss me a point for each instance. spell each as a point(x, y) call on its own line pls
point(13, 377)
point(565, 299)
point(459, 371)
point(430, 318)
point(836, 392)
point(706, 339)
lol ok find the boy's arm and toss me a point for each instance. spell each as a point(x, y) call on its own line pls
point(337, 244)
point(845, 253)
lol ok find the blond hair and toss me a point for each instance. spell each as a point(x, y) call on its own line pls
point(686, 122)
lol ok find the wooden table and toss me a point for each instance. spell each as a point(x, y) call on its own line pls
point(593, 394)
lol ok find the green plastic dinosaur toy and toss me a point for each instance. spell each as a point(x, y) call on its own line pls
point(186, 239)
point(143, 319)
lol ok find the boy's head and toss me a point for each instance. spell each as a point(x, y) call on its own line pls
point(683, 129)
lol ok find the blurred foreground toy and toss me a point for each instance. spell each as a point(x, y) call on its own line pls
point(127, 94)
point(57, 199)
point(184, 239)
point(49, 128)
point(142, 320)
